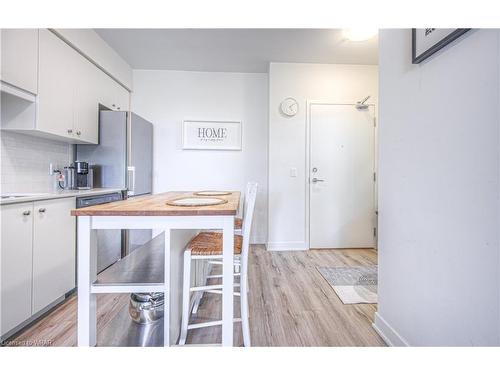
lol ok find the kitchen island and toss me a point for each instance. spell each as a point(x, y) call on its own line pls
point(178, 224)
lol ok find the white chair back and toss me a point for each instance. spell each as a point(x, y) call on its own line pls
point(247, 192)
point(248, 210)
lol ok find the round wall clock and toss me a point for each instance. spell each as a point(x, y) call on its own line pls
point(289, 107)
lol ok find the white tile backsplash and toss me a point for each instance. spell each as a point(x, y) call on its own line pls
point(25, 162)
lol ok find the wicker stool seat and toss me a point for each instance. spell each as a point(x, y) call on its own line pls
point(238, 223)
point(210, 243)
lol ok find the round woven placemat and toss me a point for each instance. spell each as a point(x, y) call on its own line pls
point(178, 201)
point(211, 193)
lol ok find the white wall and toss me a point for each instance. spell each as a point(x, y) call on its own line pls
point(438, 192)
point(25, 162)
point(166, 98)
point(341, 84)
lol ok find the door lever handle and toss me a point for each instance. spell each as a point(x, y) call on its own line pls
point(317, 180)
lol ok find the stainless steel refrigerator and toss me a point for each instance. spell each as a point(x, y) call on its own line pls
point(122, 159)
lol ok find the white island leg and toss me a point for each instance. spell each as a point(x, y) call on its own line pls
point(86, 276)
point(227, 281)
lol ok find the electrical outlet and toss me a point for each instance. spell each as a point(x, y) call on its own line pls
point(293, 172)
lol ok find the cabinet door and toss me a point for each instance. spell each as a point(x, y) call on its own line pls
point(86, 126)
point(56, 86)
point(106, 92)
point(122, 98)
point(19, 63)
point(54, 250)
point(16, 264)
point(114, 96)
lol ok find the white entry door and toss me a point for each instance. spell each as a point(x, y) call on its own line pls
point(342, 165)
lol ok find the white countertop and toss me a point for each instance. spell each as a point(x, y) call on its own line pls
point(30, 197)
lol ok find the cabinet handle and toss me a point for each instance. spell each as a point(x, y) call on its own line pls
point(26, 213)
point(41, 210)
point(78, 132)
point(70, 131)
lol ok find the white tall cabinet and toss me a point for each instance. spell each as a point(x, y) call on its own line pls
point(38, 257)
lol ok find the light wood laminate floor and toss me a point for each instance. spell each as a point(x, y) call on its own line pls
point(291, 304)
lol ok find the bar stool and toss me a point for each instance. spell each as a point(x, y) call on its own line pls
point(207, 246)
point(238, 224)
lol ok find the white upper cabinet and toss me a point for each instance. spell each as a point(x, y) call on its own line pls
point(90, 44)
point(57, 85)
point(19, 62)
point(122, 98)
point(70, 90)
point(112, 95)
point(86, 104)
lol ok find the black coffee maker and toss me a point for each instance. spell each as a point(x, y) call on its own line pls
point(84, 175)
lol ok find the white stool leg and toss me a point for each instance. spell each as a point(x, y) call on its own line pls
point(199, 295)
point(245, 325)
point(186, 285)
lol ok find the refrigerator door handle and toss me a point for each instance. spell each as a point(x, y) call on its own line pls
point(131, 180)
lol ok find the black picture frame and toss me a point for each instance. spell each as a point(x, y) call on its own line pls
point(436, 47)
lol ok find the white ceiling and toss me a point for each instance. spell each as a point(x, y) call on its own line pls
point(235, 50)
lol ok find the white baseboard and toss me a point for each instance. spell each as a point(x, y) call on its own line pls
point(287, 246)
point(388, 334)
point(257, 241)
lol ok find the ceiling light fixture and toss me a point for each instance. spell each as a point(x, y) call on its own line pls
point(359, 34)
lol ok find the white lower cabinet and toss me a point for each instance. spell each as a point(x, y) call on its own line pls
point(16, 264)
point(54, 256)
point(38, 257)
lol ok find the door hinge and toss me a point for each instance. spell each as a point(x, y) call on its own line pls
point(374, 232)
point(374, 121)
point(374, 176)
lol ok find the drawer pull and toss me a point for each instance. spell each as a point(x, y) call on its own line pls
point(41, 210)
point(26, 213)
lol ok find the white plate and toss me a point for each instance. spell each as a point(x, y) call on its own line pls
point(196, 201)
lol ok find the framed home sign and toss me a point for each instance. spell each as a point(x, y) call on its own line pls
point(211, 135)
point(426, 42)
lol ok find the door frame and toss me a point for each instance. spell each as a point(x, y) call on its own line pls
point(307, 183)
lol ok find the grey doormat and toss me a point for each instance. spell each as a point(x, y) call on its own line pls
point(352, 284)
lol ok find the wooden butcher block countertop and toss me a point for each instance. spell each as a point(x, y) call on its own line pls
point(155, 205)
